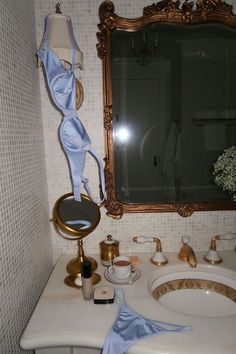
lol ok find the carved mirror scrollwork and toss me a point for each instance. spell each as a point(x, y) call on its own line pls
point(169, 84)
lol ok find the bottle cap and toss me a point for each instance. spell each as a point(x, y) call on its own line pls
point(86, 269)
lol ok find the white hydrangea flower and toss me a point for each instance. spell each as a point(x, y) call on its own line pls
point(225, 170)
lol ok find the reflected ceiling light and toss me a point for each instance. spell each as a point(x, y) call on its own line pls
point(122, 134)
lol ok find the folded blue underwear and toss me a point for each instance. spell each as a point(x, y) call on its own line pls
point(73, 136)
point(130, 327)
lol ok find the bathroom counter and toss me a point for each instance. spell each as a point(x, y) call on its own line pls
point(63, 319)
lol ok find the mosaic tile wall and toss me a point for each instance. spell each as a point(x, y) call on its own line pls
point(25, 245)
point(170, 227)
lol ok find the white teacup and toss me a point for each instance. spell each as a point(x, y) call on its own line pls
point(121, 267)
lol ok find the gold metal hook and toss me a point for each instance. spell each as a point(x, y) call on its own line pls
point(58, 8)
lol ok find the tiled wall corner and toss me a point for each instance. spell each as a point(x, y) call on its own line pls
point(25, 245)
point(170, 227)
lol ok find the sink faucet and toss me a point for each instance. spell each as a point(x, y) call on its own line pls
point(158, 258)
point(186, 253)
point(212, 255)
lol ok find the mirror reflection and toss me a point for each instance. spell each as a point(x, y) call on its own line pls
point(173, 111)
point(78, 215)
point(74, 218)
point(169, 105)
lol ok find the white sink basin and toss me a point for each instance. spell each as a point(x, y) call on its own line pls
point(207, 291)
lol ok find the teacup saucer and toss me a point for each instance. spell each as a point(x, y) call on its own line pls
point(129, 280)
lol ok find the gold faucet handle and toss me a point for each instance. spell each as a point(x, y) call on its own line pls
point(212, 255)
point(158, 258)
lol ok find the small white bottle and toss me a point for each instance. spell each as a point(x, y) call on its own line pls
point(87, 280)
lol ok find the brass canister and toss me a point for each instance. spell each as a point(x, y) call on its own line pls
point(109, 249)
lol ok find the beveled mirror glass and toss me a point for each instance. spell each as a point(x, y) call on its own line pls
point(169, 80)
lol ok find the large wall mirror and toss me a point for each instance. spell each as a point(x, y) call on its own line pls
point(169, 82)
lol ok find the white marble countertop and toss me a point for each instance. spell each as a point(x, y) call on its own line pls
point(63, 318)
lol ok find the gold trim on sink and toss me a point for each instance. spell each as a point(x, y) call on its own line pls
point(202, 284)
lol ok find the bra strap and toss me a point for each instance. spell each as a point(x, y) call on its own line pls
point(46, 30)
point(74, 45)
point(85, 181)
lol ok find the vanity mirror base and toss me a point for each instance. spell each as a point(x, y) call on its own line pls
point(74, 268)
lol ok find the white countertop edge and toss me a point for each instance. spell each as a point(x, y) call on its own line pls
point(59, 340)
point(72, 340)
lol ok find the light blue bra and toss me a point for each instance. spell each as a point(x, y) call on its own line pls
point(73, 136)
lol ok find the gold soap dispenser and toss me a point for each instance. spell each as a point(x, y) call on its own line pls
point(109, 249)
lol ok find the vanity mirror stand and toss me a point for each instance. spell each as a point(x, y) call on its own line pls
point(73, 221)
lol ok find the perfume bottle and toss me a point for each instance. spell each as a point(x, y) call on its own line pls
point(87, 280)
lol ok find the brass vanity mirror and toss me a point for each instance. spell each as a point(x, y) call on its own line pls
point(74, 220)
point(169, 84)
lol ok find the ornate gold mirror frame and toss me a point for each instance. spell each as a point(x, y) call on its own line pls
point(169, 12)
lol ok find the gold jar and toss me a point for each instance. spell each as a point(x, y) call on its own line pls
point(109, 249)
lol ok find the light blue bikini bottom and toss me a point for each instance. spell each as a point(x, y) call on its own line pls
point(130, 327)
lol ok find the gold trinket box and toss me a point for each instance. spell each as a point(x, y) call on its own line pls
point(109, 249)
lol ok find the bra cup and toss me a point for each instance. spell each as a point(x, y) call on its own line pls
point(60, 81)
point(63, 87)
point(73, 135)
